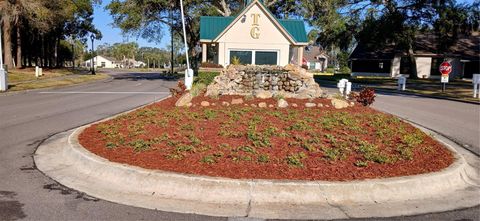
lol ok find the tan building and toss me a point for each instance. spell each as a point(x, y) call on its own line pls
point(254, 36)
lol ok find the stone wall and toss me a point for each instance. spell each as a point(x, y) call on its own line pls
point(265, 81)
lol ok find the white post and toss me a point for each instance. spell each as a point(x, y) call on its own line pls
point(402, 81)
point(341, 86)
point(3, 74)
point(188, 72)
point(348, 89)
point(476, 85)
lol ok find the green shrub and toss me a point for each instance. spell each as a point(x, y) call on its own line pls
point(205, 77)
point(197, 89)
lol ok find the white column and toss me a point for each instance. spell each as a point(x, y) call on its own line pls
point(204, 52)
point(300, 56)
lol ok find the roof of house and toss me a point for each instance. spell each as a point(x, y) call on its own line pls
point(212, 26)
point(311, 53)
point(466, 47)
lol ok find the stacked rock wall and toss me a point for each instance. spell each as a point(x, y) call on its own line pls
point(265, 81)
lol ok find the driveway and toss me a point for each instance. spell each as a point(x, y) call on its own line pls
point(26, 119)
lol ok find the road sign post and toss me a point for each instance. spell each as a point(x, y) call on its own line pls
point(445, 69)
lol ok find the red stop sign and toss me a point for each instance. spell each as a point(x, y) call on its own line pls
point(445, 68)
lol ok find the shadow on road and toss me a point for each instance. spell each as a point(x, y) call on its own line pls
point(145, 76)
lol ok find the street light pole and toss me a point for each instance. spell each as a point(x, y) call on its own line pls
point(92, 37)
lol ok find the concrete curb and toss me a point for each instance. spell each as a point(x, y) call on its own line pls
point(62, 158)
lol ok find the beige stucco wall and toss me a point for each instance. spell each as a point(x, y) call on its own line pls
point(423, 66)
point(238, 38)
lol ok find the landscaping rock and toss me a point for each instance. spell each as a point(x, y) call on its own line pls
point(205, 103)
point(237, 101)
point(225, 103)
point(262, 104)
point(319, 105)
point(270, 105)
point(253, 105)
point(263, 94)
point(184, 100)
point(282, 103)
point(264, 81)
point(294, 105)
point(339, 104)
point(310, 105)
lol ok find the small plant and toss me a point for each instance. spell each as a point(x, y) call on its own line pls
point(366, 96)
point(235, 61)
point(263, 158)
point(295, 160)
point(139, 145)
point(179, 90)
point(248, 149)
point(209, 114)
point(198, 89)
point(361, 163)
point(209, 159)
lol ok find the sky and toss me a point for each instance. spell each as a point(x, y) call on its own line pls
point(104, 22)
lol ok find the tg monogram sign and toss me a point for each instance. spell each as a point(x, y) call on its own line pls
point(255, 30)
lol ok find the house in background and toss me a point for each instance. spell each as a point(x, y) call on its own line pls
point(315, 58)
point(102, 62)
point(464, 56)
point(254, 36)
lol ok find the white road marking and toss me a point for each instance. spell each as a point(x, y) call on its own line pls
point(102, 92)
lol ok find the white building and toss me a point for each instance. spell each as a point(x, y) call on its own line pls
point(254, 36)
point(102, 62)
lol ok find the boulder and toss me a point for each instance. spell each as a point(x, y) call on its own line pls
point(294, 105)
point(205, 103)
point(310, 105)
point(282, 103)
point(262, 104)
point(184, 100)
point(263, 94)
point(339, 104)
point(237, 101)
point(224, 103)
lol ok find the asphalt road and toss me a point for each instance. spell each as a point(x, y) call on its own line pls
point(28, 118)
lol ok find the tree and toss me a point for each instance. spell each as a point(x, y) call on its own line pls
point(42, 25)
point(391, 22)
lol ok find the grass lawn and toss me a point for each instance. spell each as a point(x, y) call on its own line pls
point(24, 79)
point(455, 89)
point(248, 142)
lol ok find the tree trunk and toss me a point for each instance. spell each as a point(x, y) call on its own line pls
point(413, 64)
point(7, 41)
point(19, 48)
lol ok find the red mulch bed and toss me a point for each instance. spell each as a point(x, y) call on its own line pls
point(244, 142)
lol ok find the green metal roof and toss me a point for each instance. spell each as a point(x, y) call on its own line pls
point(212, 26)
point(296, 28)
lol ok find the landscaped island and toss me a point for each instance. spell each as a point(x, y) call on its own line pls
point(251, 138)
